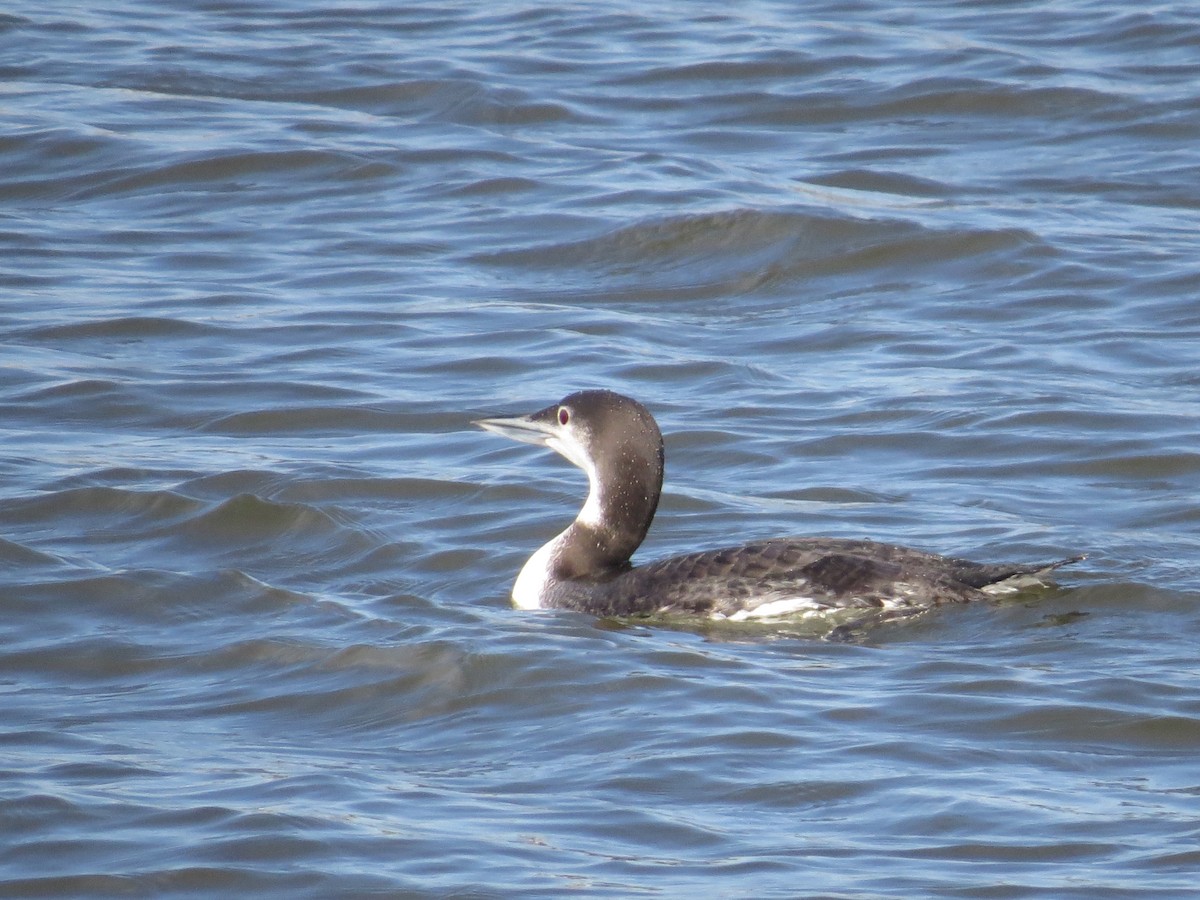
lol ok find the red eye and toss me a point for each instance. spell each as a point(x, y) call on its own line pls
point(564, 415)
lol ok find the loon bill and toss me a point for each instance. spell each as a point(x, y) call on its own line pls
point(617, 443)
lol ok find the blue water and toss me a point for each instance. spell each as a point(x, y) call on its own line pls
point(926, 274)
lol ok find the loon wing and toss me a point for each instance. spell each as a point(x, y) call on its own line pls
point(795, 575)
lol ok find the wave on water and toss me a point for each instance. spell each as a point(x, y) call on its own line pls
point(922, 273)
point(745, 250)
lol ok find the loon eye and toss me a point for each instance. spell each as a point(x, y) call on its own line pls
point(564, 415)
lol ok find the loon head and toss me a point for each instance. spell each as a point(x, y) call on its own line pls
point(617, 443)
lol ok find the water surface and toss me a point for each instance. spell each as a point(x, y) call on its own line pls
point(926, 274)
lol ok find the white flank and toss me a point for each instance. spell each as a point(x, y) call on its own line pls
point(1014, 584)
point(772, 609)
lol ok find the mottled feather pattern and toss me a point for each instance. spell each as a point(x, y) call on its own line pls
point(832, 573)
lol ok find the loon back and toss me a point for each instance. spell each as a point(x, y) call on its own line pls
point(617, 443)
point(796, 576)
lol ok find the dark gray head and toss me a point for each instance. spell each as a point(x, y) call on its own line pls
point(617, 443)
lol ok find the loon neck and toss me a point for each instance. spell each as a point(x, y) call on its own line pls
point(622, 499)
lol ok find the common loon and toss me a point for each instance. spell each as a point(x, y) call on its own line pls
point(616, 441)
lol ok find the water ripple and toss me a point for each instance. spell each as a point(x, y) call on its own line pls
point(920, 274)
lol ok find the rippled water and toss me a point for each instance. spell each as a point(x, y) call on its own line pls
point(923, 273)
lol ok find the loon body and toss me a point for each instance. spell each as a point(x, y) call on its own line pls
point(587, 567)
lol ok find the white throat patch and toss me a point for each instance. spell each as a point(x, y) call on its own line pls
point(567, 447)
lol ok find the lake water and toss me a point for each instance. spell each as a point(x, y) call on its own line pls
point(926, 273)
